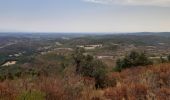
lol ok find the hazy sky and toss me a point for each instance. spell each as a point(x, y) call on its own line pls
point(84, 15)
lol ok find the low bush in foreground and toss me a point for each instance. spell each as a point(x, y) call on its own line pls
point(141, 83)
point(136, 83)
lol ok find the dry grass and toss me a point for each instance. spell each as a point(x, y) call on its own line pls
point(140, 83)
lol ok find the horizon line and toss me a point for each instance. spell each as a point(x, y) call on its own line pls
point(90, 32)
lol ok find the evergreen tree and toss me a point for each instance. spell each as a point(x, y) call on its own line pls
point(78, 57)
point(132, 60)
point(87, 66)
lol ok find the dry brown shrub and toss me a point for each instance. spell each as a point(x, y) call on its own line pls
point(139, 83)
point(117, 93)
point(137, 92)
point(151, 79)
point(90, 82)
point(7, 92)
point(53, 88)
point(157, 77)
point(142, 83)
point(163, 94)
point(92, 94)
point(57, 88)
point(127, 92)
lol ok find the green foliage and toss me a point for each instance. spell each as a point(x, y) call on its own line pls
point(99, 73)
point(65, 63)
point(10, 72)
point(94, 68)
point(168, 57)
point(132, 60)
point(16, 71)
point(53, 57)
point(87, 66)
point(25, 59)
point(78, 57)
point(31, 95)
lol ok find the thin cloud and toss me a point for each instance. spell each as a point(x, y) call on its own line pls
point(98, 1)
point(161, 3)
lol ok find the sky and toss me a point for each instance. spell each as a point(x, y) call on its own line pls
point(84, 15)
